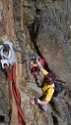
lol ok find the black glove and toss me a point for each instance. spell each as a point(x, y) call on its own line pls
point(36, 102)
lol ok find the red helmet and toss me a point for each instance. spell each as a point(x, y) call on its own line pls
point(50, 78)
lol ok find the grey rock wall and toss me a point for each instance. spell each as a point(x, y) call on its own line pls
point(44, 26)
point(50, 32)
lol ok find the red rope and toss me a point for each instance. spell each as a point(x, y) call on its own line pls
point(16, 93)
point(34, 73)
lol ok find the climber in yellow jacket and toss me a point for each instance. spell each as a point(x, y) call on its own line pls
point(47, 88)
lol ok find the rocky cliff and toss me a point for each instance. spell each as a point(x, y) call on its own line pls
point(44, 26)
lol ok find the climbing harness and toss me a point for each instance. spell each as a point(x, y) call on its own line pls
point(6, 61)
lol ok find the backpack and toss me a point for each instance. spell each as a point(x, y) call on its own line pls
point(58, 89)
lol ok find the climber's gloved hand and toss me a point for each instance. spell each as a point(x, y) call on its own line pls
point(37, 57)
point(35, 101)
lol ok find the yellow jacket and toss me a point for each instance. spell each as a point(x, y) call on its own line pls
point(47, 89)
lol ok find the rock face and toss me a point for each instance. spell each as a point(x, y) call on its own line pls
point(50, 32)
point(55, 23)
point(44, 26)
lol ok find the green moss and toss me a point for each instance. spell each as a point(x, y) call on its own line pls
point(31, 44)
point(69, 34)
point(4, 38)
point(42, 1)
point(58, 0)
point(27, 19)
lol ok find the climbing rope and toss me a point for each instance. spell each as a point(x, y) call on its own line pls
point(12, 77)
point(34, 73)
point(6, 61)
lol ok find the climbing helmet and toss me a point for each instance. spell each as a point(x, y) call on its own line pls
point(49, 78)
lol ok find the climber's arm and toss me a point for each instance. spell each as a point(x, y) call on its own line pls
point(44, 72)
point(45, 102)
point(40, 66)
